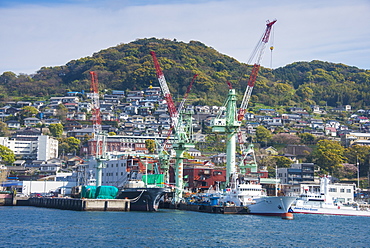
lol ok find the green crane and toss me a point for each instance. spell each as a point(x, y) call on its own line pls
point(230, 122)
point(182, 125)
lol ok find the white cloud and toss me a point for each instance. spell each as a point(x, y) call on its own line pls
point(37, 35)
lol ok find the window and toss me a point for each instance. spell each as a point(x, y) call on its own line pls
point(348, 190)
point(341, 190)
point(332, 190)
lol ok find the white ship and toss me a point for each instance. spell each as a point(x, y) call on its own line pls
point(325, 199)
point(254, 197)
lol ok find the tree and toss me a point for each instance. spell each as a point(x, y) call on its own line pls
point(263, 134)
point(282, 162)
point(216, 142)
point(286, 138)
point(4, 131)
point(7, 155)
point(359, 155)
point(62, 112)
point(150, 145)
point(307, 138)
point(329, 156)
point(56, 130)
point(28, 111)
point(69, 145)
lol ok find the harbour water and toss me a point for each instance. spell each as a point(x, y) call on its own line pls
point(42, 227)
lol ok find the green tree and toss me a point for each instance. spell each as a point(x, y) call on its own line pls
point(263, 135)
point(4, 131)
point(282, 162)
point(329, 156)
point(286, 138)
point(69, 145)
point(62, 112)
point(56, 130)
point(28, 111)
point(216, 142)
point(307, 138)
point(359, 156)
point(7, 155)
point(150, 145)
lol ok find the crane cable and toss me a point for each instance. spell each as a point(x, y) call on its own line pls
point(272, 45)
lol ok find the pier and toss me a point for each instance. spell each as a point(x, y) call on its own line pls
point(213, 209)
point(80, 204)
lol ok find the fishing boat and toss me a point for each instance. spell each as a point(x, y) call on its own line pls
point(329, 199)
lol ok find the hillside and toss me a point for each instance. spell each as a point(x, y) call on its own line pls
point(130, 67)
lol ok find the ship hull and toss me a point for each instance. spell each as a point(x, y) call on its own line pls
point(330, 211)
point(271, 205)
point(143, 199)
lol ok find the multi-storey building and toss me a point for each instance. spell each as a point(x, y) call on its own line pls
point(40, 147)
point(298, 173)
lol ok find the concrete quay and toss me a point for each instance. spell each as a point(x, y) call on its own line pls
point(80, 204)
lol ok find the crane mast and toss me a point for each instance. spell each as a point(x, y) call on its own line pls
point(231, 122)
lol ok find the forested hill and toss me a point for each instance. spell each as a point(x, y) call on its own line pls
point(130, 67)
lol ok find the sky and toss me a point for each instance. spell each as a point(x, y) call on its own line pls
point(43, 33)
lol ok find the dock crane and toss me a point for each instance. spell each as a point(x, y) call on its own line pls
point(182, 124)
point(99, 152)
point(230, 124)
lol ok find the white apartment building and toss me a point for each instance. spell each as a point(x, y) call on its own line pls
point(42, 147)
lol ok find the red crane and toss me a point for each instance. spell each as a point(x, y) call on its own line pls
point(174, 114)
point(258, 51)
point(96, 118)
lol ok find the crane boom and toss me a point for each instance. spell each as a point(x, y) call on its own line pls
point(96, 118)
point(165, 90)
point(181, 122)
point(258, 51)
point(253, 76)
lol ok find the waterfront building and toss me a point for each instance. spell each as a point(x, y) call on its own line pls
point(200, 177)
point(297, 173)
